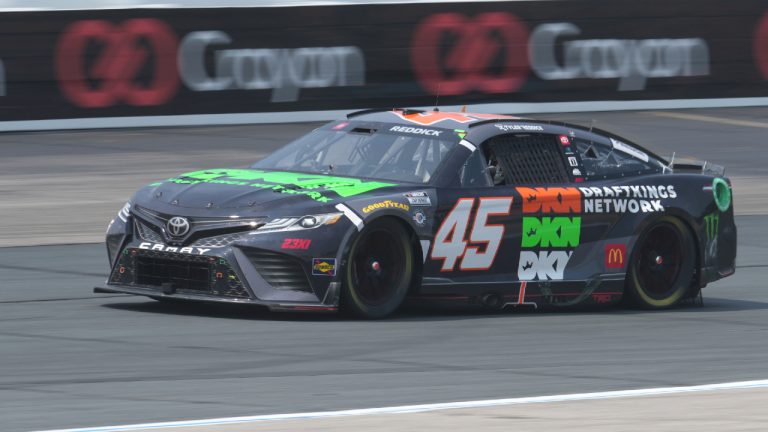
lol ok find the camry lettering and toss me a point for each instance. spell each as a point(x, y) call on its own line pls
point(163, 248)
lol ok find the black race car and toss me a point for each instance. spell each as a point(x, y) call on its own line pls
point(365, 212)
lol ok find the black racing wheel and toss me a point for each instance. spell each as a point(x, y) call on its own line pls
point(379, 270)
point(662, 265)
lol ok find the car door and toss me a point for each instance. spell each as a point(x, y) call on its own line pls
point(475, 234)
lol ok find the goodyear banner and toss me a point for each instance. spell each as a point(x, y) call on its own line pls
point(148, 62)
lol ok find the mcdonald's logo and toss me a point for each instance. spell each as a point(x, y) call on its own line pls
point(615, 255)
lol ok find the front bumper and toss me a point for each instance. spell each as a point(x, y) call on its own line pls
point(249, 269)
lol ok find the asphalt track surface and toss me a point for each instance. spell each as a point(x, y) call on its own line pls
point(69, 358)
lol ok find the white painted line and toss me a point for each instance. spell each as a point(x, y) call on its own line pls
point(351, 215)
point(19, 5)
point(710, 119)
point(307, 116)
point(431, 407)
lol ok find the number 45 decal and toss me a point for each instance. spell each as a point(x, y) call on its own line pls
point(451, 243)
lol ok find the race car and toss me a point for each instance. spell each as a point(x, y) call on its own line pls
point(387, 205)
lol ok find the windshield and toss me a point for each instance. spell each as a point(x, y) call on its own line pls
point(381, 152)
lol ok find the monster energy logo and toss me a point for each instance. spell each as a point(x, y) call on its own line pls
point(712, 225)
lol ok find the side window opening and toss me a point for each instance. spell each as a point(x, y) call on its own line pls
point(601, 161)
point(474, 172)
point(525, 159)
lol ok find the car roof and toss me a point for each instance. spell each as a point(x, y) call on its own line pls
point(482, 124)
point(435, 118)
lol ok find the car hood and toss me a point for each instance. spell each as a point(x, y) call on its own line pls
point(249, 188)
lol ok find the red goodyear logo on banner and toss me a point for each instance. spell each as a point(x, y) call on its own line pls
point(615, 256)
point(121, 55)
point(489, 53)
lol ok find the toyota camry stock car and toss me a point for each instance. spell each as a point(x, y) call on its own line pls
point(491, 210)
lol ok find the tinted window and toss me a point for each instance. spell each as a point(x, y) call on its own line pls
point(360, 152)
point(601, 160)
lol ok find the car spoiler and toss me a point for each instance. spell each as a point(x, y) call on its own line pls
point(701, 167)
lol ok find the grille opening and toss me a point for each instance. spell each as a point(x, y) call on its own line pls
point(529, 158)
point(181, 275)
point(280, 271)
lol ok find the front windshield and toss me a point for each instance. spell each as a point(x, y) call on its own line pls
point(407, 154)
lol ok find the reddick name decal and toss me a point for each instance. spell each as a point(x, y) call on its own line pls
point(626, 199)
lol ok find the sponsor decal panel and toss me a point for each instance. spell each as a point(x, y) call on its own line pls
point(551, 231)
point(388, 204)
point(164, 248)
point(296, 243)
point(472, 248)
point(712, 225)
point(519, 127)
point(626, 199)
point(324, 266)
point(414, 130)
point(418, 198)
point(712, 229)
point(615, 256)
point(628, 149)
point(419, 218)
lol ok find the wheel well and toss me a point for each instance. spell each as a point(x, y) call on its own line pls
point(685, 221)
point(418, 252)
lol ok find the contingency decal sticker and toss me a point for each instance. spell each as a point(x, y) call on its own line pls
point(324, 266)
point(311, 185)
point(551, 231)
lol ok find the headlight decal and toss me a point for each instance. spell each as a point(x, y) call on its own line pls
point(297, 223)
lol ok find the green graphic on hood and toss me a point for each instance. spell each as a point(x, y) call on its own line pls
point(311, 185)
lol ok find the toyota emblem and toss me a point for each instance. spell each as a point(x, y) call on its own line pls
point(178, 226)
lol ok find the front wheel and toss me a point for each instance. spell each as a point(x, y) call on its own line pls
point(662, 265)
point(379, 270)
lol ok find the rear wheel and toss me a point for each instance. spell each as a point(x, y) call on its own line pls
point(662, 265)
point(379, 270)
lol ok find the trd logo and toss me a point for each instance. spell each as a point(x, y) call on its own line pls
point(99, 64)
point(487, 53)
point(615, 256)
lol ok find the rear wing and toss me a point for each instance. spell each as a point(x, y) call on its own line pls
point(699, 167)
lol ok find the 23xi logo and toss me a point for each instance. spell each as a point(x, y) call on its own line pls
point(452, 54)
point(99, 64)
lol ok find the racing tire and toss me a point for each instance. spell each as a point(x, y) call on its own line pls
point(662, 265)
point(379, 270)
